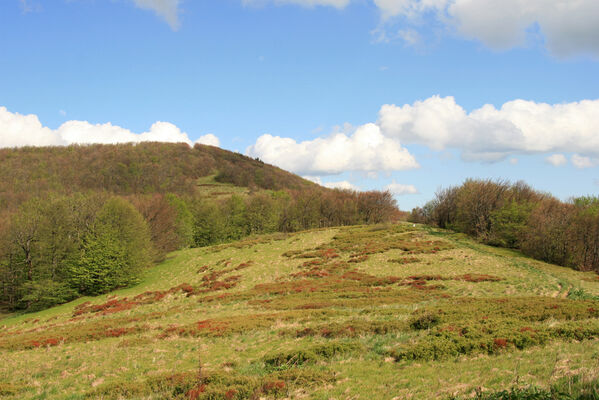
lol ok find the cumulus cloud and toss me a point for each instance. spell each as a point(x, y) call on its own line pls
point(367, 149)
point(346, 185)
point(166, 9)
point(584, 162)
point(557, 160)
point(569, 27)
point(491, 134)
point(399, 189)
point(209, 139)
point(26, 130)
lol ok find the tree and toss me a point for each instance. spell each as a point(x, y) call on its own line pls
point(509, 224)
point(376, 207)
point(547, 235)
point(115, 250)
point(261, 214)
point(208, 226)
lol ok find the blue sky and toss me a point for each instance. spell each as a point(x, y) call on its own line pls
point(409, 95)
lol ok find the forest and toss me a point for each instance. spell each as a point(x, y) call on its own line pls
point(85, 220)
point(514, 215)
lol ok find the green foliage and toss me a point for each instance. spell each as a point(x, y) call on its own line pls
point(115, 250)
point(92, 217)
point(309, 354)
point(184, 219)
point(46, 293)
point(471, 326)
point(208, 225)
point(567, 388)
point(516, 216)
point(424, 320)
point(509, 223)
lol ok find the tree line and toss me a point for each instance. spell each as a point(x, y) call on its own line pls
point(57, 247)
point(514, 215)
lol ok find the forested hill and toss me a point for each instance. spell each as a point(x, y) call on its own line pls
point(131, 169)
point(84, 220)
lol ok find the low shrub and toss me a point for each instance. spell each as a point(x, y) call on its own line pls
point(309, 354)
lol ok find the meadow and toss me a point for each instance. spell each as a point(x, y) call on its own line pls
point(400, 311)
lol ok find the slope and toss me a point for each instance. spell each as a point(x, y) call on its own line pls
point(131, 169)
point(400, 311)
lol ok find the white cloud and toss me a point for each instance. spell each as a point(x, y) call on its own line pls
point(26, 130)
point(408, 8)
point(491, 134)
point(557, 160)
point(584, 162)
point(347, 185)
point(166, 9)
point(209, 139)
point(569, 27)
point(398, 189)
point(84, 132)
point(513, 161)
point(305, 3)
point(341, 185)
point(365, 150)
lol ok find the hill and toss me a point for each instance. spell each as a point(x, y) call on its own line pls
point(397, 311)
point(83, 220)
point(127, 169)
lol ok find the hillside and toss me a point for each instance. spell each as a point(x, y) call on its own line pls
point(83, 220)
point(400, 311)
point(127, 169)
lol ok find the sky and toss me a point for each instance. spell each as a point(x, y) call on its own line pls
point(402, 95)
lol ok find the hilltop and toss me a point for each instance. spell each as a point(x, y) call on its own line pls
point(397, 311)
point(126, 169)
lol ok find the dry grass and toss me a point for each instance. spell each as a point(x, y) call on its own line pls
point(319, 314)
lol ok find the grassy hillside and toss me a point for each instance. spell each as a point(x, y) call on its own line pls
point(399, 311)
point(63, 212)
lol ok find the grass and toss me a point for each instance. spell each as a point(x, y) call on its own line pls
point(397, 311)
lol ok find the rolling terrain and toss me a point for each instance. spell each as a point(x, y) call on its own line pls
point(400, 311)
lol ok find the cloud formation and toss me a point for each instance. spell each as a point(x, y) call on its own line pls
point(209, 139)
point(491, 134)
point(584, 162)
point(399, 189)
point(569, 27)
point(18, 130)
point(345, 185)
point(367, 150)
point(557, 160)
point(166, 9)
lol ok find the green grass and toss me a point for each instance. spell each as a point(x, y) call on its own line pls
point(397, 311)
